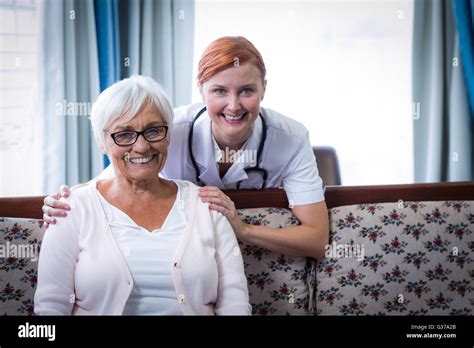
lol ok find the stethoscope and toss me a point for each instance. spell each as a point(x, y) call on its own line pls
point(247, 170)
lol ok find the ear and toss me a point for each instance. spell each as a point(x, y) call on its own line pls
point(264, 89)
point(201, 91)
point(102, 148)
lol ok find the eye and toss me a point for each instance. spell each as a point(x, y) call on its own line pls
point(247, 91)
point(219, 91)
point(124, 137)
point(155, 133)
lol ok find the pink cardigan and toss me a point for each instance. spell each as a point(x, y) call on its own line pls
point(82, 271)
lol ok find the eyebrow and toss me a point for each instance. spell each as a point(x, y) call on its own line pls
point(152, 124)
point(244, 86)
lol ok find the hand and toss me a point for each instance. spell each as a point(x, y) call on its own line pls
point(220, 202)
point(54, 207)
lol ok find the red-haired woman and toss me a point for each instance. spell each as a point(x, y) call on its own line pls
point(230, 141)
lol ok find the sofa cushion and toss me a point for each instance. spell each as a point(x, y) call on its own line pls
point(405, 258)
point(278, 284)
point(20, 242)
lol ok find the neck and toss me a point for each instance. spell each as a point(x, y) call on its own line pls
point(232, 143)
point(124, 187)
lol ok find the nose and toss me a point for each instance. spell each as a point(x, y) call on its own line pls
point(233, 103)
point(141, 145)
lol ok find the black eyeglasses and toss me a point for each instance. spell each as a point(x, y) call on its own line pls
point(127, 138)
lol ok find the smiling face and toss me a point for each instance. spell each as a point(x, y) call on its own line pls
point(233, 97)
point(145, 159)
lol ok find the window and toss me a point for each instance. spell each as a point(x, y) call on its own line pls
point(20, 146)
point(342, 68)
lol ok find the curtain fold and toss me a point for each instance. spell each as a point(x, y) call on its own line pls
point(68, 83)
point(108, 41)
point(443, 139)
point(108, 45)
point(157, 39)
point(464, 14)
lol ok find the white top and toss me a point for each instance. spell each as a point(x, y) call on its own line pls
point(149, 256)
point(287, 156)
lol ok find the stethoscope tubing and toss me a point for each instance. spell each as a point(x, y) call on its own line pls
point(256, 168)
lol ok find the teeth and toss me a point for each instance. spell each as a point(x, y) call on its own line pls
point(141, 160)
point(233, 118)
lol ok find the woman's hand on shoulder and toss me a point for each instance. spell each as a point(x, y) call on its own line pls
point(220, 202)
point(54, 207)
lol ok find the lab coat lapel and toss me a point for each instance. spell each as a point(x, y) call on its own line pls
point(203, 149)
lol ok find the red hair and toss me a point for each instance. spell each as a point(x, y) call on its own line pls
point(226, 52)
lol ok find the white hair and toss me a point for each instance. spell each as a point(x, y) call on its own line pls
point(126, 98)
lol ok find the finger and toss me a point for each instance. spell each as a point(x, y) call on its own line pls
point(226, 212)
point(209, 189)
point(218, 193)
point(46, 218)
point(46, 225)
point(54, 203)
point(54, 212)
point(218, 208)
point(57, 195)
point(49, 220)
point(64, 189)
point(216, 200)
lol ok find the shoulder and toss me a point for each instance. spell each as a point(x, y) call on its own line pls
point(190, 192)
point(186, 187)
point(185, 114)
point(81, 196)
point(280, 123)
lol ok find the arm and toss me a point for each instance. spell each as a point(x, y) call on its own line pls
point(57, 262)
point(307, 239)
point(303, 187)
point(233, 296)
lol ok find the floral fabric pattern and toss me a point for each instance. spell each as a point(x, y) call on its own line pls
point(278, 284)
point(404, 258)
point(20, 242)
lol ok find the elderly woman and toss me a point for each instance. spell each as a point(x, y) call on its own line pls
point(137, 243)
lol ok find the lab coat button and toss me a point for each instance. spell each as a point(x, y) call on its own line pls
point(181, 298)
point(176, 264)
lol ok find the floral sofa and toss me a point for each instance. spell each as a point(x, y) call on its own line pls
point(394, 250)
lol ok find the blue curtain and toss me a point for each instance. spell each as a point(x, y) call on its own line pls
point(108, 44)
point(443, 133)
point(147, 37)
point(464, 15)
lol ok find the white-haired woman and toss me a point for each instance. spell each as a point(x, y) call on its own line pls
point(136, 243)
